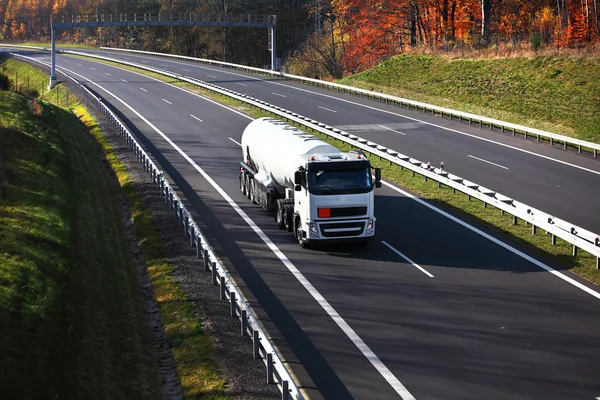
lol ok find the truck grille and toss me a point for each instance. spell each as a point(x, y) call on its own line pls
point(342, 229)
point(348, 212)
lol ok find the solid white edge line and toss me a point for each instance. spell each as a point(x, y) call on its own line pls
point(327, 109)
point(406, 117)
point(489, 162)
point(407, 259)
point(167, 101)
point(497, 241)
point(333, 314)
point(196, 118)
point(393, 130)
point(236, 142)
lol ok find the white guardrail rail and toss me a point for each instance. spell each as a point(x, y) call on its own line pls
point(580, 238)
point(262, 347)
point(453, 114)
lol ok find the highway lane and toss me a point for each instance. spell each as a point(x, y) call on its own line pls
point(563, 190)
point(489, 324)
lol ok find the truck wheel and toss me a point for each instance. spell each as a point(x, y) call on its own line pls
point(253, 191)
point(247, 185)
point(301, 240)
point(243, 183)
point(288, 217)
point(279, 217)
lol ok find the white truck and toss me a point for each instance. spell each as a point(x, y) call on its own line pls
point(314, 190)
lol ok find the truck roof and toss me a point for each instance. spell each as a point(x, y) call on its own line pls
point(333, 157)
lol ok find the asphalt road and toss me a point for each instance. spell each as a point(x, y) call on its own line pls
point(560, 182)
point(488, 323)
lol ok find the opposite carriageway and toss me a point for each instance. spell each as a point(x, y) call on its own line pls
point(483, 308)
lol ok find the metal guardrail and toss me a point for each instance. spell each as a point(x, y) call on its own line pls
point(262, 347)
point(580, 238)
point(581, 145)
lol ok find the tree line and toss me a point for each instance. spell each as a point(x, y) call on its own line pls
point(322, 37)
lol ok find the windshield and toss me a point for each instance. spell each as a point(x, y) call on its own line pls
point(340, 182)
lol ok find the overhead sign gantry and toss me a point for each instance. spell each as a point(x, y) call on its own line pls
point(160, 19)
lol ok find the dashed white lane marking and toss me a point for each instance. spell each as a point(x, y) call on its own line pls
point(211, 76)
point(333, 314)
point(280, 95)
point(489, 162)
point(236, 142)
point(242, 84)
point(167, 101)
point(92, 68)
point(327, 109)
point(123, 80)
point(186, 70)
point(393, 130)
point(143, 89)
point(106, 73)
point(196, 118)
point(407, 259)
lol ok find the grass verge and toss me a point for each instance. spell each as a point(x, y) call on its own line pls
point(490, 218)
point(68, 296)
point(554, 93)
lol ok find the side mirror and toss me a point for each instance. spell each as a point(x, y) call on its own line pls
point(377, 177)
point(297, 188)
point(297, 177)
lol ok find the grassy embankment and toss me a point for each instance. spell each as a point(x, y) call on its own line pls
point(557, 94)
point(69, 310)
point(558, 255)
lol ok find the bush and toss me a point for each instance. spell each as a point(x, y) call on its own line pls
point(535, 40)
point(4, 82)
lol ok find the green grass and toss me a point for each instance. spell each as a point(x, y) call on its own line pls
point(190, 345)
point(48, 44)
point(490, 218)
point(71, 323)
point(557, 94)
point(68, 293)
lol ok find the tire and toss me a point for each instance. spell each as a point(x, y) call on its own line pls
point(243, 183)
point(279, 218)
point(301, 240)
point(253, 191)
point(247, 185)
point(288, 217)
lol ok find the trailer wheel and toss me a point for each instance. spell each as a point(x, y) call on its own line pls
point(279, 214)
point(247, 185)
point(243, 183)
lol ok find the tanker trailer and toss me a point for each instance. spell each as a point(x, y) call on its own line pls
point(314, 190)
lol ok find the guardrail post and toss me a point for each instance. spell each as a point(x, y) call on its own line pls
point(243, 322)
point(597, 262)
point(484, 204)
point(579, 149)
point(191, 229)
point(574, 251)
point(269, 368)
point(595, 153)
point(255, 345)
point(222, 287)
point(214, 273)
point(515, 220)
point(285, 390)
point(553, 239)
point(204, 258)
point(533, 229)
point(502, 212)
point(233, 304)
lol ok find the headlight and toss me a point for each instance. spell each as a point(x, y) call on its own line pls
point(370, 224)
point(313, 227)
